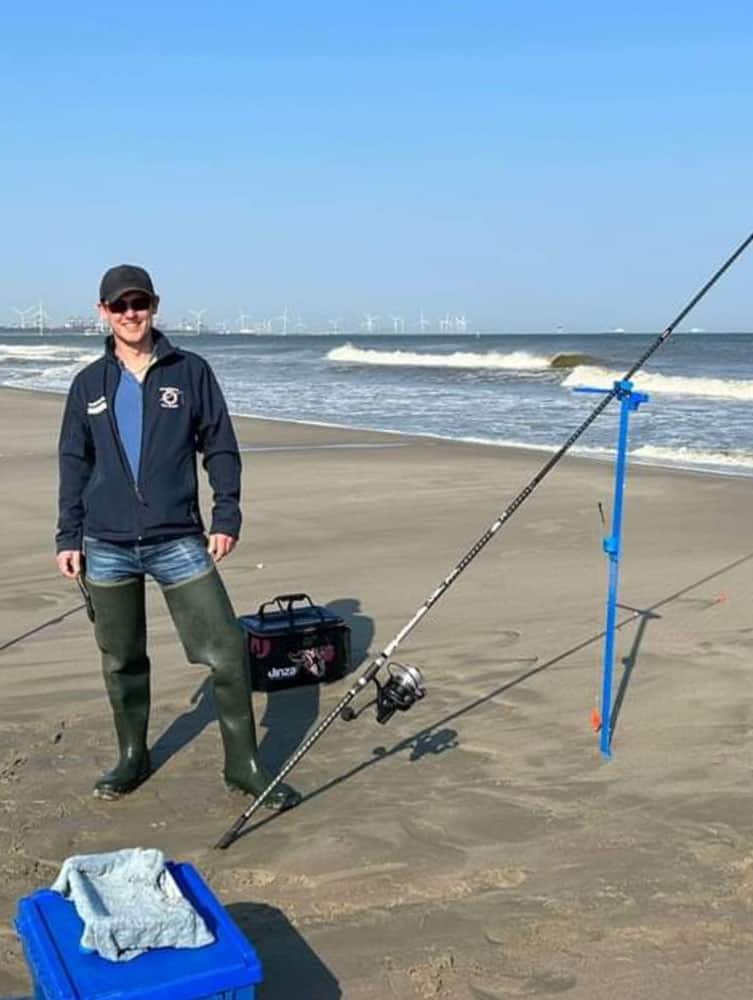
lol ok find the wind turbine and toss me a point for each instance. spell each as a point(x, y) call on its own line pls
point(369, 321)
point(22, 313)
point(197, 314)
point(300, 326)
point(283, 317)
point(445, 325)
point(398, 324)
point(335, 324)
point(242, 321)
point(461, 324)
point(423, 323)
point(39, 317)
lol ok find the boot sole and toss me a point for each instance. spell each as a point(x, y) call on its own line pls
point(274, 805)
point(113, 794)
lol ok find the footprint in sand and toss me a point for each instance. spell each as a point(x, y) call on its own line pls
point(423, 833)
point(550, 982)
point(9, 770)
point(507, 637)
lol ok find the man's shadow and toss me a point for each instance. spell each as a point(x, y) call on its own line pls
point(186, 727)
point(288, 715)
point(291, 967)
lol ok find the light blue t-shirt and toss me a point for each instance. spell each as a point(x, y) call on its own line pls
point(129, 416)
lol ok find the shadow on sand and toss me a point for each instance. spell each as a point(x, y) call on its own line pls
point(288, 715)
point(291, 967)
point(629, 662)
point(436, 738)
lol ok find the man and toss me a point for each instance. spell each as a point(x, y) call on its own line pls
point(128, 503)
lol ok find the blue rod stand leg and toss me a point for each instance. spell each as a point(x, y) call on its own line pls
point(612, 544)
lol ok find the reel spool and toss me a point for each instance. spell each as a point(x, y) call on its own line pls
point(402, 689)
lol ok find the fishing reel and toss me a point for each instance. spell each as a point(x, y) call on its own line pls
point(402, 689)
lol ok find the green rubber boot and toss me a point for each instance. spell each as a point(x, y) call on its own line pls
point(120, 631)
point(210, 633)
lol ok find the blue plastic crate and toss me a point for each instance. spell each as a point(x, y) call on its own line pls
point(50, 931)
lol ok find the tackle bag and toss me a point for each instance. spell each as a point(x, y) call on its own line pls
point(292, 642)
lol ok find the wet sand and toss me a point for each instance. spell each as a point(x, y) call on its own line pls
point(478, 846)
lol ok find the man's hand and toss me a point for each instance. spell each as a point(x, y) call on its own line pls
point(220, 546)
point(69, 563)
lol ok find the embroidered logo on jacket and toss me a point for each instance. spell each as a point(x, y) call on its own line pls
point(170, 398)
point(97, 405)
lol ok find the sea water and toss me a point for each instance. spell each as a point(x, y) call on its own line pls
point(516, 391)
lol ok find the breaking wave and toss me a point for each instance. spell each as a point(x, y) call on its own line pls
point(565, 360)
point(46, 352)
point(514, 361)
point(694, 456)
point(647, 454)
point(677, 385)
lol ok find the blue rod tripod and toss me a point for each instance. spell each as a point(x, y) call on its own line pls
point(612, 544)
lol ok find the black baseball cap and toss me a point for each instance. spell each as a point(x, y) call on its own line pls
point(124, 278)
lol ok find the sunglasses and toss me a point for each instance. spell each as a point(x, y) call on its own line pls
point(135, 302)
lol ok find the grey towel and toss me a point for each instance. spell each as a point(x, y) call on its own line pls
point(129, 902)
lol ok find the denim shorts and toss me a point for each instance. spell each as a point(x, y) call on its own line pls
point(168, 562)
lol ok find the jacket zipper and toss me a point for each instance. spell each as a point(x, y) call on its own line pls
point(119, 443)
point(144, 399)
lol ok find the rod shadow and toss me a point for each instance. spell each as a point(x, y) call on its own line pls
point(291, 967)
point(436, 738)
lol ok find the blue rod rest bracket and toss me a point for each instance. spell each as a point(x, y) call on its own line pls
point(630, 400)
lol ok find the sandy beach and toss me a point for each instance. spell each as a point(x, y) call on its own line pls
point(478, 847)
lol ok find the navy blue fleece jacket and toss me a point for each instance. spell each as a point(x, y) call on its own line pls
point(184, 415)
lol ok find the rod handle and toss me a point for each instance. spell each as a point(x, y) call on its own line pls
point(229, 836)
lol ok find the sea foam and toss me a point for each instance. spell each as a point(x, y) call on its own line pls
point(46, 352)
point(514, 361)
point(652, 382)
point(694, 456)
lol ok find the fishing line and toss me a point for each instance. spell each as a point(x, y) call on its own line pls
point(404, 685)
point(38, 628)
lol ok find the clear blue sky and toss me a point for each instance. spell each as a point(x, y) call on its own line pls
point(583, 164)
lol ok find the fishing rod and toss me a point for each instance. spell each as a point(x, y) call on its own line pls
point(404, 685)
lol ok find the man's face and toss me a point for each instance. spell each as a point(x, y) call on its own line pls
point(130, 316)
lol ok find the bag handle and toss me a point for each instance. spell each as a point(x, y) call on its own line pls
point(285, 603)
